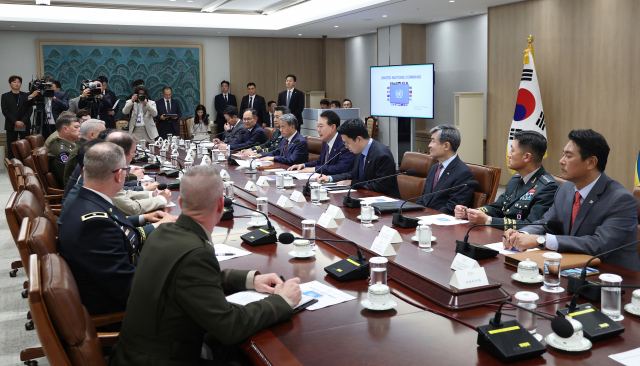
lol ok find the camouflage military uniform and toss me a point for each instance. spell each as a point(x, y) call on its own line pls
point(59, 153)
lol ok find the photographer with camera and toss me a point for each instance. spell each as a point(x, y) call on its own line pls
point(52, 102)
point(141, 124)
point(97, 102)
point(17, 110)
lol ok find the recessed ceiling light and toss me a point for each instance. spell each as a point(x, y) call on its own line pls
point(452, 1)
point(299, 34)
point(13, 26)
point(335, 26)
point(384, 16)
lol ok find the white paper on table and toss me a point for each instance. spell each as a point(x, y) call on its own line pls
point(147, 178)
point(305, 176)
point(224, 248)
point(208, 145)
point(326, 295)
point(246, 297)
point(244, 163)
point(442, 220)
point(341, 191)
point(377, 199)
point(629, 358)
point(170, 204)
point(500, 248)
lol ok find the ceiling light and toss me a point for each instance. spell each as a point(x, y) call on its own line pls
point(384, 16)
point(43, 2)
point(213, 6)
point(13, 26)
point(335, 26)
point(299, 34)
point(452, 1)
point(280, 5)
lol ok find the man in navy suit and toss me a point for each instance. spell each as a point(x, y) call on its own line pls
point(108, 117)
point(52, 107)
point(292, 98)
point(255, 134)
point(450, 172)
point(331, 145)
point(167, 105)
point(254, 101)
point(373, 160)
point(288, 152)
point(221, 102)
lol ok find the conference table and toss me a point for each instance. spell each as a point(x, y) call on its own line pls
point(419, 330)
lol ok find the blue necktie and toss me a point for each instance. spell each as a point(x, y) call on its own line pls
point(288, 98)
point(362, 158)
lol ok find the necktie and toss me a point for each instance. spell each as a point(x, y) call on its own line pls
point(251, 102)
point(519, 186)
point(361, 168)
point(225, 99)
point(168, 106)
point(437, 177)
point(326, 155)
point(271, 123)
point(576, 208)
point(286, 146)
point(288, 98)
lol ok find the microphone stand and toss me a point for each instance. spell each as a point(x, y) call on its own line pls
point(355, 202)
point(264, 235)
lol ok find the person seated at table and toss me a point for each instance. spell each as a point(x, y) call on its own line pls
point(331, 145)
point(528, 194)
point(373, 160)
point(274, 141)
point(49, 141)
point(68, 129)
point(179, 275)
point(232, 129)
point(598, 213)
point(254, 136)
point(200, 126)
point(88, 131)
point(288, 152)
point(449, 172)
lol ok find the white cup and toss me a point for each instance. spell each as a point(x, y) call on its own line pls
point(528, 270)
point(379, 294)
point(323, 194)
point(258, 219)
point(288, 180)
point(302, 246)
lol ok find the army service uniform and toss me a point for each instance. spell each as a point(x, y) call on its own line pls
point(58, 155)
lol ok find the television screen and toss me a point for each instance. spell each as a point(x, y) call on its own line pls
point(402, 91)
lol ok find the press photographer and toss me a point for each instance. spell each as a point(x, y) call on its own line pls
point(49, 104)
point(141, 123)
point(93, 100)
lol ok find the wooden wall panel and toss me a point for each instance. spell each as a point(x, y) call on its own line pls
point(254, 60)
point(414, 51)
point(586, 54)
point(335, 68)
point(303, 58)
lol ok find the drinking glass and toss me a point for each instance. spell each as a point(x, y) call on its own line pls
point(366, 214)
point(228, 190)
point(315, 195)
point(424, 237)
point(552, 269)
point(279, 182)
point(187, 144)
point(174, 160)
point(378, 274)
point(611, 302)
point(263, 205)
point(187, 165)
point(309, 231)
point(528, 320)
point(143, 144)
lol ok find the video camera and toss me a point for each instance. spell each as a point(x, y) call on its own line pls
point(95, 86)
point(41, 85)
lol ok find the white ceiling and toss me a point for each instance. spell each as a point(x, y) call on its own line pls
point(353, 21)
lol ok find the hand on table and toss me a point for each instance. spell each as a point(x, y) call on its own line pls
point(263, 283)
point(267, 158)
point(296, 167)
point(290, 289)
point(323, 179)
point(344, 183)
point(520, 241)
point(477, 217)
point(460, 212)
point(150, 186)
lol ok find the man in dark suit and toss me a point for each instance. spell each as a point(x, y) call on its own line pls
point(233, 129)
point(292, 98)
point(272, 143)
point(254, 136)
point(254, 101)
point(101, 105)
point(52, 107)
point(180, 276)
point(221, 102)
point(108, 118)
point(288, 152)
point(331, 145)
point(17, 109)
point(373, 160)
point(167, 105)
point(598, 213)
point(450, 172)
point(99, 242)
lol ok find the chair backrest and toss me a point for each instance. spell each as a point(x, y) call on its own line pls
point(412, 186)
point(315, 147)
point(41, 159)
point(372, 126)
point(489, 179)
point(20, 183)
point(268, 130)
point(21, 243)
point(558, 179)
point(35, 141)
point(27, 206)
point(41, 239)
point(33, 186)
point(121, 123)
point(12, 221)
point(184, 128)
point(21, 149)
point(11, 171)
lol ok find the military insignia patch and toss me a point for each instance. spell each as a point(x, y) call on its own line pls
point(63, 156)
point(94, 215)
point(529, 195)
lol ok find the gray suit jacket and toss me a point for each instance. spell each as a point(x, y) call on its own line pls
point(607, 219)
point(234, 134)
point(73, 105)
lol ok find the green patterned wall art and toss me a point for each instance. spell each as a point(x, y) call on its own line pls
point(178, 65)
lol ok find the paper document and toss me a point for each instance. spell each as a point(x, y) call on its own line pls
point(326, 295)
point(629, 358)
point(116, 104)
point(341, 191)
point(377, 199)
point(223, 248)
point(305, 176)
point(208, 145)
point(170, 204)
point(442, 220)
point(147, 178)
point(246, 297)
point(500, 248)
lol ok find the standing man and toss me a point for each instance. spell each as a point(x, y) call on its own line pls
point(169, 114)
point(143, 110)
point(108, 118)
point(99, 104)
point(52, 107)
point(255, 101)
point(270, 108)
point(254, 136)
point(373, 160)
point(17, 110)
point(288, 152)
point(68, 129)
point(347, 103)
point(221, 102)
point(598, 213)
point(331, 145)
point(292, 98)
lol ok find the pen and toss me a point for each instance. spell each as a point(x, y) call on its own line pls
point(282, 278)
point(224, 254)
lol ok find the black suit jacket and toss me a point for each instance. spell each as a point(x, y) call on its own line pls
point(456, 173)
point(110, 121)
point(249, 139)
point(379, 163)
point(259, 105)
point(60, 104)
point(13, 112)
point(220, 106)
point(296, 104)
point(175, 109)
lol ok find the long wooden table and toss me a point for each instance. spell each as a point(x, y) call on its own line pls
point(349, 334)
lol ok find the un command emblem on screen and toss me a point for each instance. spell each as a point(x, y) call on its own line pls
point(399, 94)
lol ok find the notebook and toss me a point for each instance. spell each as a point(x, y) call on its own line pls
point(569, 260)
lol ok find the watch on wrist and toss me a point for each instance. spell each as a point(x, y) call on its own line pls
point(489, 221)
point(541, 240)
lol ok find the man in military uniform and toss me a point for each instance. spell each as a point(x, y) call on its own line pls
point(178, 293)
point(68, 133)
point(101, 244)
point(272, 143)
point(528, 195)
point(89, 130)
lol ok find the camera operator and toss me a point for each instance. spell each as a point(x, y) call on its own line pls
point(109, 117)
point(52, 106)
point(17, 110)
point(96, 102)
point(141, 123)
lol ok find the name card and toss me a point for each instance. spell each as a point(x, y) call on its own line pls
point(224, 175)
point(390, 234)
point(205, 161)
point(382, 247)
point(327, 221)
point(296, 196)
point(284, 201)
point(262, 182)
point(469, 278)
point(250, 186)
point(462, 262)
point(335, 212)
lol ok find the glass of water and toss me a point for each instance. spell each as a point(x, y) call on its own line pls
point(152, 148)
point(170, 138)
point(263, 205)
point(528, 320)
point(552, 271)
point(187, 165)
point(143, 144)
point(279, 182)
point(611, 302)
point(423, 232)
point(174, 160)
point(187, 144)
point(366, 214)
point(315, 195)
point(378, 274)
point(162, 156)
point(309, 231)
point(228, 190)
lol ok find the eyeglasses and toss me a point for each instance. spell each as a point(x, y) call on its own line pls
point(126, 169)
point(247, 119)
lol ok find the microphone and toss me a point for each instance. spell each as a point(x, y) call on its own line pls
point(591, 293)
point(348, 269)
point(261, 236)
point(477, 252)
point(406, 222)
point(509, 341)
point(306, 190)
point(355, 202)
point(228, 210)
point(162, 186)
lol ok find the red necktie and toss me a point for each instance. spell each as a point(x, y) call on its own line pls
point(286, 146)
point(576, 208)
point(436, 178)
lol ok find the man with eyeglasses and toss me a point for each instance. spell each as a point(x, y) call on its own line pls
point(99, 242)
point(255, 134)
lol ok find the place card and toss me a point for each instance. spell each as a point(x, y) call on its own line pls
point(326, 221)
point(284, 201)
point(224, 175)
point(335, 212)
point(462, 262)
point(296, 196)
point(382, 247)
point(391, 234)
point(250, 186)
point(469, 278)
point(262, 182)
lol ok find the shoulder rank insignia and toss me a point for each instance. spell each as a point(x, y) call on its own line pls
point(545, 178)
point(94, 215)
point(529, 195)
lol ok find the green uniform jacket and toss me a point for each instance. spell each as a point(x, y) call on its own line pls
point(525, 206)
point(70, 166)
point(178, 295)
point(271, 143)
point(58, 156)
